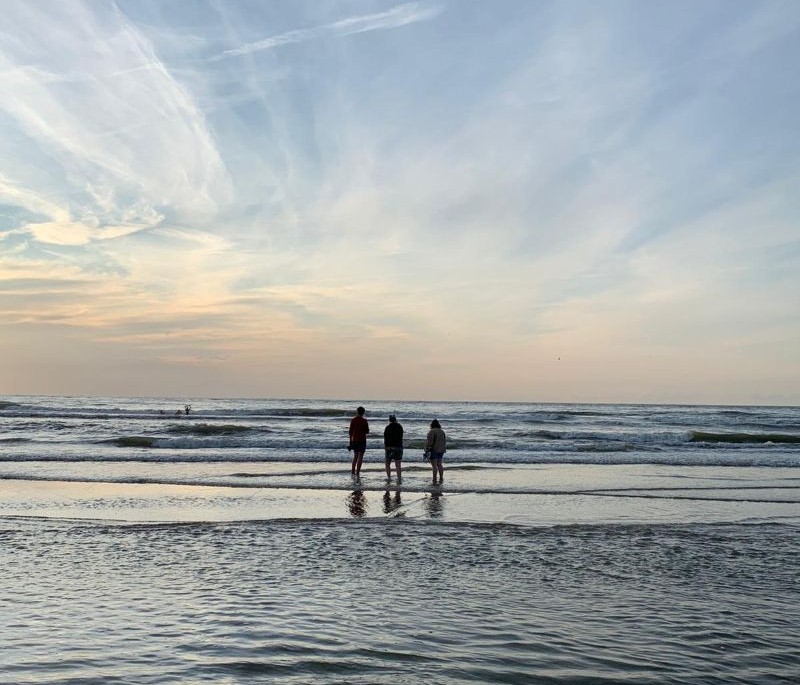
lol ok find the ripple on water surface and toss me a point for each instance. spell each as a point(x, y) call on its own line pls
point(392, 601)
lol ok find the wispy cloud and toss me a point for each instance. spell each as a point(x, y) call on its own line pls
point(69, 100)
point(401, 15)
point(588, 180)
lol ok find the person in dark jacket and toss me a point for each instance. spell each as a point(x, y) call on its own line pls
point(393, 444)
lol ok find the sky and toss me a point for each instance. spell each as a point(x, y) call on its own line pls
point(573, 201)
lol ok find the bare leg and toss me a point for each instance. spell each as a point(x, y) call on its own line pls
point(433, 468)
point(398, 466)
point(359, 459)
point(353, 465)
point(440, 467)
point(388, 463)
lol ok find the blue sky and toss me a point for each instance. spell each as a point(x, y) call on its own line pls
point(556, 201)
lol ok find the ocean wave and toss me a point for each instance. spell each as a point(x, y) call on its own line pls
point(579, 438)
point(231, 437)
point(538, 434)
point(552, 416)
point(749, 438)
point(211, 429)
point(213, 455)
point(130, 441)
point(155, 411)
point(305, 412)
point(39, 413)
point(221, 441)
point(583, 412)
point(547, 435)
point(736, 412)
point(236, 436)
point(619, 447)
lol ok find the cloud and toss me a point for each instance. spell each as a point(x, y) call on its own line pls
point(562, 186)
point(14, 194)
point(401, 15)
point(73, 233)
point(96, 102)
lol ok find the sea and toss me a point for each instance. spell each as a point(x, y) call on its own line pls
point(569, 543)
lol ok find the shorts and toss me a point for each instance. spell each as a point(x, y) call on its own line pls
point(395, 453)
point(359, 445)
point(437, 455)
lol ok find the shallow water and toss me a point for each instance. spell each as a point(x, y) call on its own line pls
point(534, 495)
point(569, 544)
point(398, 601)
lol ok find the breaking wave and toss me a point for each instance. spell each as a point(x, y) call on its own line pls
point(211, 429)
point(307, 411)
point(131, 441)
point(744, 438)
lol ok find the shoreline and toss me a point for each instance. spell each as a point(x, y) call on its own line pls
point(126, 502)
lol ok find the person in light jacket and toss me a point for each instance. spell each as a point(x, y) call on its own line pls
point(435, 447)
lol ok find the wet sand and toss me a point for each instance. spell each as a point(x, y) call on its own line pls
point(532, 496)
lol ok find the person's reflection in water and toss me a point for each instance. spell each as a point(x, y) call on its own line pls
point(357, 504)
point(390, 503)
point(434, 505)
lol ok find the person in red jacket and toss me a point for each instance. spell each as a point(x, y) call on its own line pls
point(358, 440)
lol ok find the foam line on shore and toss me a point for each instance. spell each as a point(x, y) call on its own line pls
point(686, 493)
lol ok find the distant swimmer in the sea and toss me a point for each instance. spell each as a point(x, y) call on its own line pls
point(435, 447)
point(393, 444)
point(187, 409)
point(359, 428)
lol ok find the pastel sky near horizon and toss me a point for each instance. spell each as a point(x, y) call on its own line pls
point(589, 201)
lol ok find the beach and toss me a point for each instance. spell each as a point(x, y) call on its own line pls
point(621, 550)
point(543, 254)
point(543, 495)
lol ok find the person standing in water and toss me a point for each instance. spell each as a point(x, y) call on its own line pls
point(435, 447)
point(393, 444)
point(359, 427)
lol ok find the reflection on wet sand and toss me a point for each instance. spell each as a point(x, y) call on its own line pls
point(434, 505)
point(357, 504)
point(392, 503)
